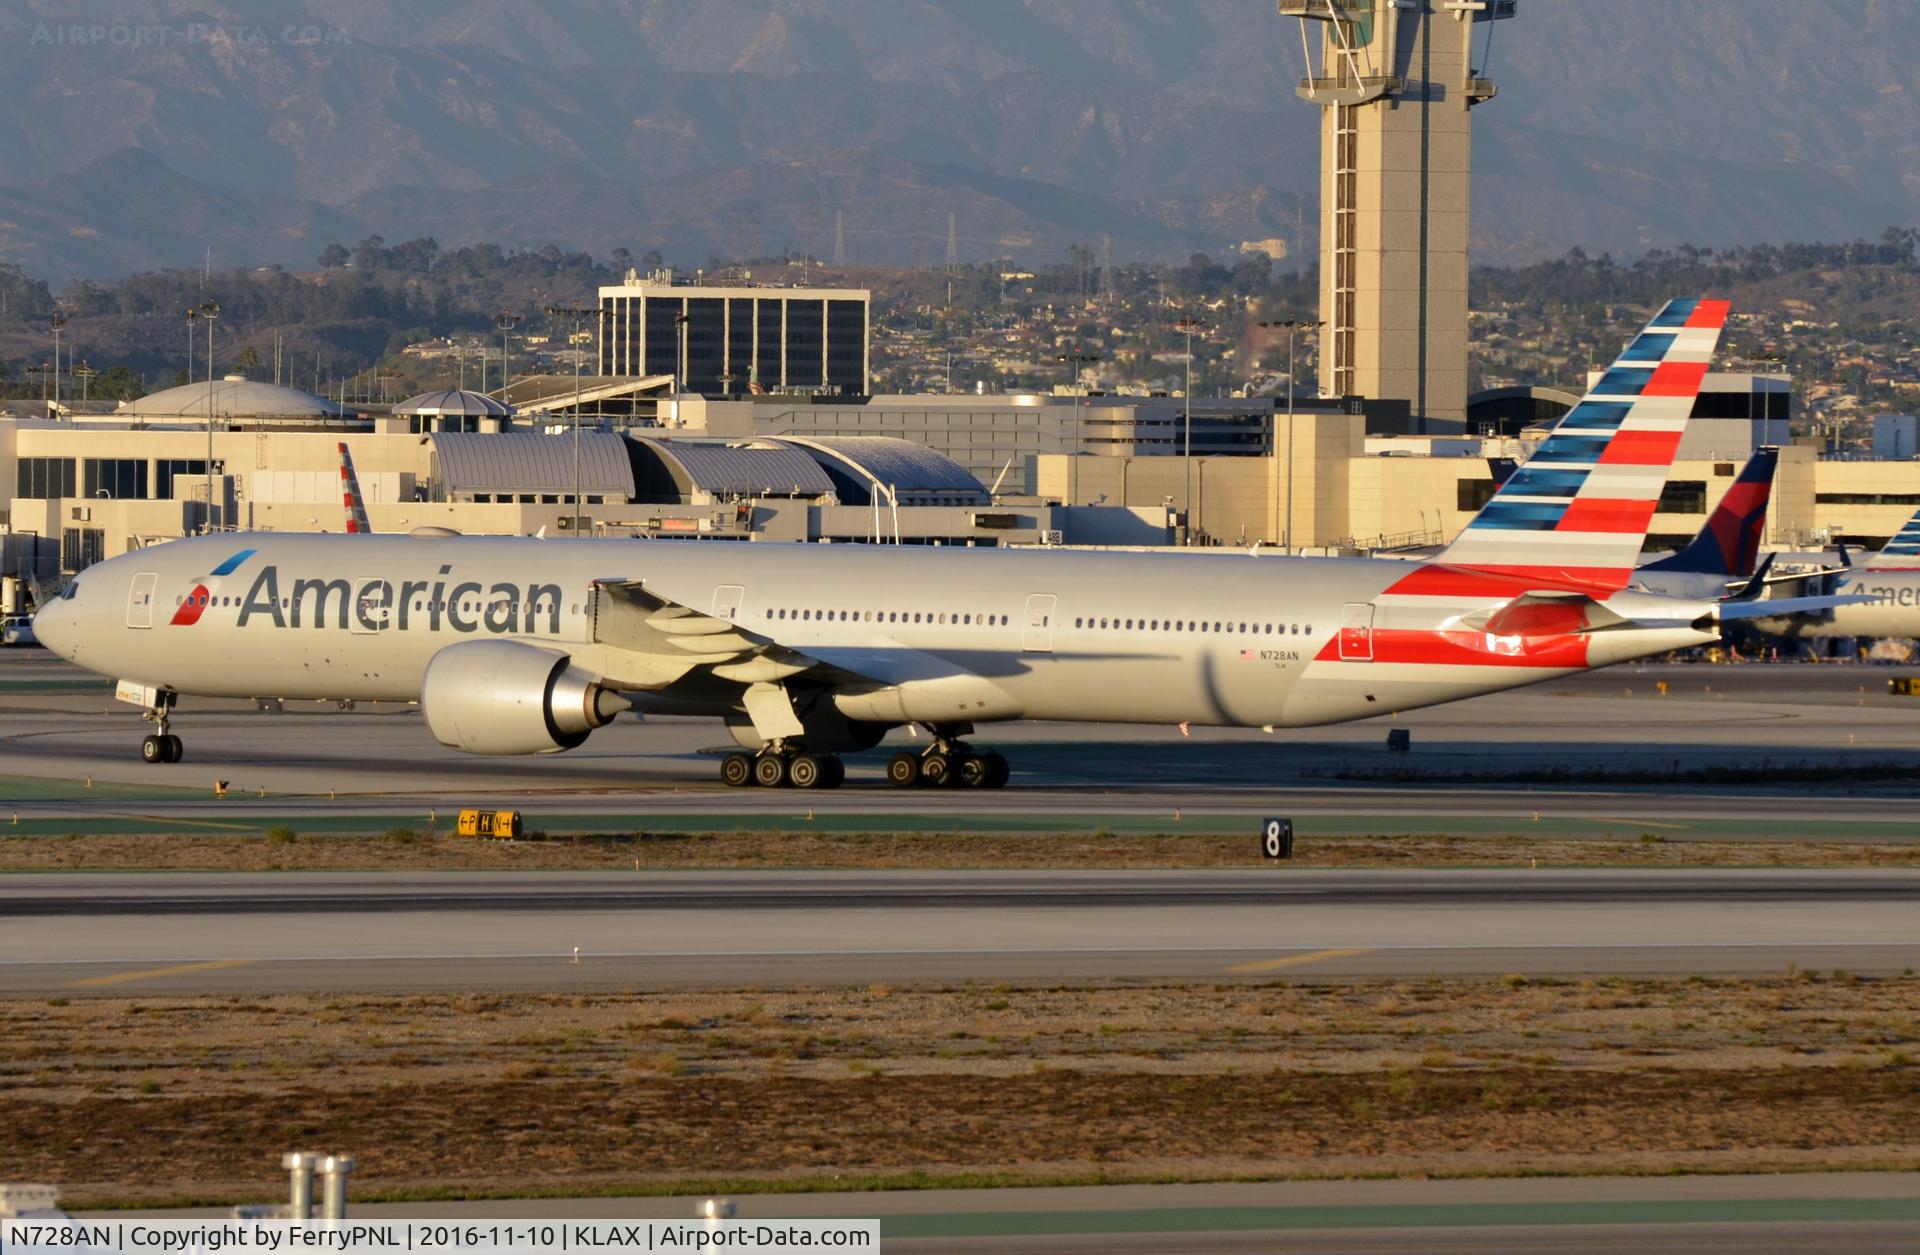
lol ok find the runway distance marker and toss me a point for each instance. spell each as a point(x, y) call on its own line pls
point(155, 973)
point(1300, 960)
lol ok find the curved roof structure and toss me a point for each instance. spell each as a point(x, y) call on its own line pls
point(915, 472)
point(233, 397)
point(453, 403)
point(731, 468)
point(529, 463)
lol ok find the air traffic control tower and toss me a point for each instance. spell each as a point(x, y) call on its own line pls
point(1395, 82)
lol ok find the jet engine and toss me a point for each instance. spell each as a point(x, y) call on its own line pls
point(501, 697)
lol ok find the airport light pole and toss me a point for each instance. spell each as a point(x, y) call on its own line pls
point(506, 322)
point(574, 315)
point(1188, 325)
point(1293, 326)
point(680, 321)
point(1772, 360)
point(85, 373)
point(193, 316)
point(1080, 362)
point(209, 311)
point(56, 321)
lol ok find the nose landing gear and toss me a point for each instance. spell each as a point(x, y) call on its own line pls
point(161, 746)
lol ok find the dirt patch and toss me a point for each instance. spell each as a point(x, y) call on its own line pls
point(127, 1099)
point(406, 850)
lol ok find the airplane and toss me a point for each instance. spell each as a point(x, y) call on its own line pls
point(526, 645)
point(1885, 594)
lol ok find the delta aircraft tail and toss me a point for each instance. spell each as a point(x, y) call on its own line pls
point(1729, 544)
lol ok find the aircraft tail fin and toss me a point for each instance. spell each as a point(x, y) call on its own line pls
point(356, 505)
point(1580, 508)
point(1903, 551)
point(1730, 542)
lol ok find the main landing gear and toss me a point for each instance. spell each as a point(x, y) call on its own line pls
point(948, 761)
point(777, 767)
point(161, 746)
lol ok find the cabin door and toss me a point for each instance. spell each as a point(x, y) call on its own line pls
point(1037, 635)
point(1356, 632)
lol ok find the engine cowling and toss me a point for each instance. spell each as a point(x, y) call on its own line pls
point(502, 697)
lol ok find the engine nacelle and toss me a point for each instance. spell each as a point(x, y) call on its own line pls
point(501, 697)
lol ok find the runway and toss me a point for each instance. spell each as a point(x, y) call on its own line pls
point(260, 933)
point(1755, 753)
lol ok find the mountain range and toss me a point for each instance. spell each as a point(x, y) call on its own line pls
point(150, 131)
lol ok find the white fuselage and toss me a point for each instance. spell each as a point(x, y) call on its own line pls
point(1894, 610)
point(1228, 639)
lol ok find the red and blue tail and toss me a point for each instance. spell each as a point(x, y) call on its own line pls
point(1730, 542)
point(356, 505)
point(1579, 510)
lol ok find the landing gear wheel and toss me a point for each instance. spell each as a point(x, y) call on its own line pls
point(154, 749)
point(975, 771)
point(769, 771)
point(176, 749)
point(903, 770)
point(936, 770)
point(805, 771)
point(736, 770)
point(998, 772)
point(835, 771)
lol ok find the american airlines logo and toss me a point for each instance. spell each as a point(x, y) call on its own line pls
point(205, 587)
point(372, 604)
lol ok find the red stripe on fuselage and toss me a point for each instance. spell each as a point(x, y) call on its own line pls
point(1467, 649)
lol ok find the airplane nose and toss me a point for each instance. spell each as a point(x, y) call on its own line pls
point(50, 628)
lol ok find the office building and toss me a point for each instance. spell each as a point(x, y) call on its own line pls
point(732, 338)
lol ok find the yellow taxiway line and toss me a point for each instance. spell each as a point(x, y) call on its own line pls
point(156, 973)
point(1300, 960)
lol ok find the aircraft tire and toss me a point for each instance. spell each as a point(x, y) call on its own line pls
point(936, 771)
point(836, 771)
point(903, 770)
point(998, 770)
point(975, 771)
point(769, 771)
point(154, 749)
point(176, 748)
point(806, 771)
point(736, 770)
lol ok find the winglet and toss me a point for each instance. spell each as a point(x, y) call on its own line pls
point(356, 505)
point(1580, 508)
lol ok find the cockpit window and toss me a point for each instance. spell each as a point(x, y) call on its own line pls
point(73, 590)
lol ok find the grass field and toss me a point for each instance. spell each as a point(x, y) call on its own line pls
point(286, 848)
point(800, 1088)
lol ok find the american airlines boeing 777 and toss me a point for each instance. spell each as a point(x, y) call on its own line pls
point(526, 645)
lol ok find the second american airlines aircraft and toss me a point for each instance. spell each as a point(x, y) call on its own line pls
point(526, 645)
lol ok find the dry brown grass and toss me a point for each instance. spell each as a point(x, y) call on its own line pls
point(122, 1098)
point(412, 852)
